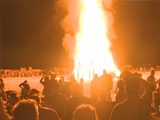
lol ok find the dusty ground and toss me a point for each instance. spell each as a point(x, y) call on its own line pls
point(13, 82)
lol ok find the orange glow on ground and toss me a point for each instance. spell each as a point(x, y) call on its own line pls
point(92, 49)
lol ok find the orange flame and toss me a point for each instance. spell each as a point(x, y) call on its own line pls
point(90, 47)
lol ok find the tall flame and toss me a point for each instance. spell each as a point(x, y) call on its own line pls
point(90, 47)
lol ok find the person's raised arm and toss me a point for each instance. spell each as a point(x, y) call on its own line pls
point(42, 80)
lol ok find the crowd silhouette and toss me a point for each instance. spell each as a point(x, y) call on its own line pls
point(136, 99)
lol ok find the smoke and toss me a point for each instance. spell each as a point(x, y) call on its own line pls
point(70, 24)
point(109, 11)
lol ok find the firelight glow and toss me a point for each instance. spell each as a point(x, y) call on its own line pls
point(93, 53)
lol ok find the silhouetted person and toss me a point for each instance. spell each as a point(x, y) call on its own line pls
point(25, 89)
point(3, 114)
point(125, 75)
point(77, 99)
point(152, 83)
point(151, 80)
point(44, 112)
point(11, 101)
point(107, 83)
point(56, 100)
point(121, 92)
point(133, 108)
point(65, 89)
point(45, 81)
point(53, 80)
point(103, 106)
point(94, 84)
point(157, 98)
point(25, 110)
point(61, 81)
point(2, 90)
point(85, 112)
point(145, 100)
point(34, 92)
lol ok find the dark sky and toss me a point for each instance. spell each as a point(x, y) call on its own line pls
point(31, 34)
point(137, 26)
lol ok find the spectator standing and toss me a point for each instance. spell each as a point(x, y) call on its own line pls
point(25, 89)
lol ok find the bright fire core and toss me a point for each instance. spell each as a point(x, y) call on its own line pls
point(93, 54)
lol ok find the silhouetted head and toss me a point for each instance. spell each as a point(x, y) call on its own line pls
point(36, 98)
point(152, 72)
point(25, 110)
point(95, 76)
point(53, 76)
point(34, 92)
point(125, 75)
point(1, 81)
point(104, 72)
point(46, 78)
point(85, 112)
point(13, 95)
point(132, 85)
point(25, 81)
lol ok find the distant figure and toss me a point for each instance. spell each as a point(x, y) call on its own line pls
point(46, 82)
point(82, 82)
point(151, 80)
point(157, 98)
point(25, 110)
point(2, 90)
point(44, 112)
point(25, 89)
point(94, 88)
point(152, 83)
point(1, 84)
point(107, 83)
point(53, 80)
point(85, 112)
point(61, 81)
point(65, 87)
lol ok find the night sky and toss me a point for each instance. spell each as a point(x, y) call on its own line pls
point(31, 34)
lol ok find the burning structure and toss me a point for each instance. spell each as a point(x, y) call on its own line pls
point(88, 31)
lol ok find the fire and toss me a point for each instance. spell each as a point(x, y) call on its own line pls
point(91, 47)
